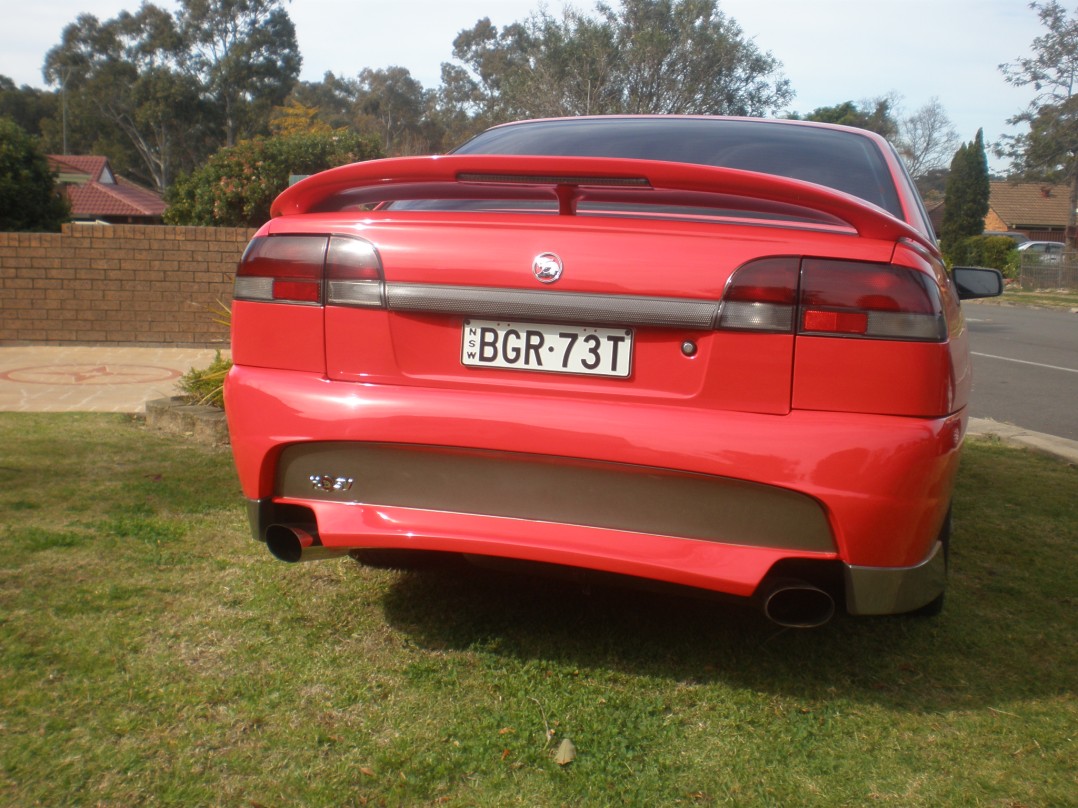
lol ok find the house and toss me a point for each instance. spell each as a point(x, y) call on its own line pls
point(98, 195)
point(1037, 210)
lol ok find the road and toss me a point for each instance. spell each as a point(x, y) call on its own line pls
point(1025, 367)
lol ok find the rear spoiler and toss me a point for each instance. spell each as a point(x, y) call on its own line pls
point(572, 179)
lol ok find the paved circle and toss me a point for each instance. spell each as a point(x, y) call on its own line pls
point(91, 374)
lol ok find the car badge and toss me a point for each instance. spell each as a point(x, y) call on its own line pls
point(547, 267)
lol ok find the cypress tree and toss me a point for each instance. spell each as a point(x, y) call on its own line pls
point(966, 195)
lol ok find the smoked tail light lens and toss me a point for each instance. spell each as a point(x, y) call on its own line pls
point(876, 301)
point(761, 296)
point(282, 269)
point(310, 270)
point(354, 274)
point(833, 298)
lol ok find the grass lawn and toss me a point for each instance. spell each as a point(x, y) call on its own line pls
point(1044, 298)
point(152, 653)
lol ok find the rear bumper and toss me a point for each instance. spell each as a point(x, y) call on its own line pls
point(867, 590)
point(865, 492)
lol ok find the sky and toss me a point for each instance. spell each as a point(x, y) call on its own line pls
point(831, 50)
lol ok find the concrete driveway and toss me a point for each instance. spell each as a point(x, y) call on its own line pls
point(92, 379)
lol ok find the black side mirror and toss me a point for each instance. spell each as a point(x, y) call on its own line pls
point(974, 282)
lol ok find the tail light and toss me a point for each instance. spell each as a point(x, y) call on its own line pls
point(881, 301)
point(296, 269)
point(833, 298)
point(354, 274)
point(761, 296)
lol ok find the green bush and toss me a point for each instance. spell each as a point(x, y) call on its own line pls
point(237, 185)
point(29, 197)
point(997, 252)
point(206, 386)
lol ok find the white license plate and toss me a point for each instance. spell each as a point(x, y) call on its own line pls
point(574, 349)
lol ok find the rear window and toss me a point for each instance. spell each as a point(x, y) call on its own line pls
point(845, 161)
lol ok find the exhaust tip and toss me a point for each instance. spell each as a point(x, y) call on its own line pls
point(287, 542)
point(799, 605)
point(294, 543)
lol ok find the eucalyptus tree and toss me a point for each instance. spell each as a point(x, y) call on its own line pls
point(178, 86)
point(129, 71)
point(396, 105)
point(245, 55)
point(876, 115)
point(641, 56)
point(1049, 149)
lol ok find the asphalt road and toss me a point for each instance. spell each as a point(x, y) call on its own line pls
point(1025, 367)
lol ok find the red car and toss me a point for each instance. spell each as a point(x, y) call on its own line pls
point(713, 352)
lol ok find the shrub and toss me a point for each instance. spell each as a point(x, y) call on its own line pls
point(997, 252)
point(237, 185)
point(29, 197)
point(206, 386)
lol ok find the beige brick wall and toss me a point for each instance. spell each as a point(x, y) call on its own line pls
point(119, 284)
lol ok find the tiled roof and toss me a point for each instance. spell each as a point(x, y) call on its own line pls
point(102, 195)
point(91, 165)
point(97, 200)
point(1030, 204)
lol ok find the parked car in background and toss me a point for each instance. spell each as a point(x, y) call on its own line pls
point(1045, 251)
point(712, 352)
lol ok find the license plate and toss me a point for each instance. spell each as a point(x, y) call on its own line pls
point(580, 350)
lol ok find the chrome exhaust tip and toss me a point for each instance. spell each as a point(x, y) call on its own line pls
point(797, 604)
point(293, 543)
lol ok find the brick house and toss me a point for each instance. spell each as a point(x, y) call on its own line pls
point(1037, 210)
point(98, 195)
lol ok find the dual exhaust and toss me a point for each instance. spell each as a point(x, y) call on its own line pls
point(789, 602)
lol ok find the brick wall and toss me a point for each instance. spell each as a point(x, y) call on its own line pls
point(119, 284)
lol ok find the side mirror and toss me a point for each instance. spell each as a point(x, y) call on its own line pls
point(974, 282)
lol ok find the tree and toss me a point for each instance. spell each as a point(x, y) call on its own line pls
point(175, 87)
point(1049, 150)
point(926, 139)
point(29, 198)
point(474, 90)
point(245, 55)
point(296, 118)
point(395, 105)
point(966, 196)
point(875, 115)
point(237, 185)
point(686, 56)
point(128, 70)
point(332, 97)
point(26, 106)
point(645, 56)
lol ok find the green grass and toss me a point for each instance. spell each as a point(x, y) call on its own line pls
point(1045, 298)
point(151, 653)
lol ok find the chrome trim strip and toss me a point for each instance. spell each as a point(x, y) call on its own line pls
point(562, 307)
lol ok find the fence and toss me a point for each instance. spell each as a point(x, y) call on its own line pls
point(1038, 273)
point(119, 285)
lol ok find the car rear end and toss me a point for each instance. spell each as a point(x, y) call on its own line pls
point(698, 375)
